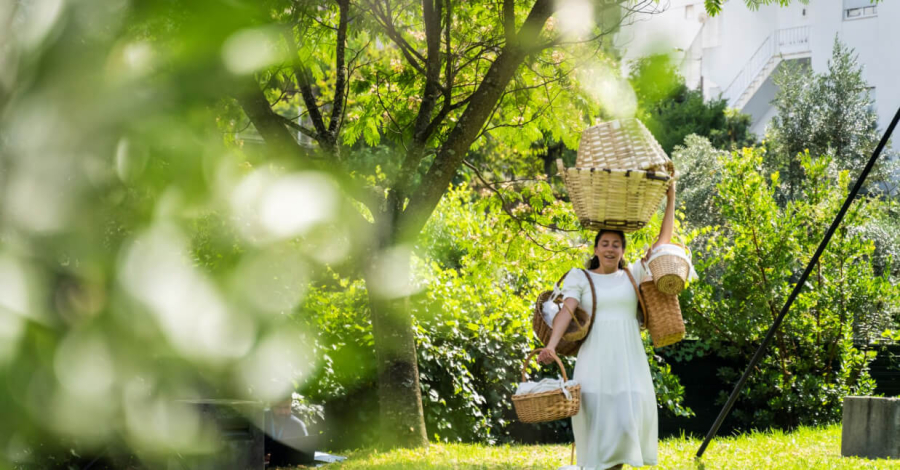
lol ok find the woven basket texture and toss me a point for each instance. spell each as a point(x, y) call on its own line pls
point(546, 406)
point(622, 144)
point(614, 199)
point(670, 273)
point(577, 330)
point(664, 319)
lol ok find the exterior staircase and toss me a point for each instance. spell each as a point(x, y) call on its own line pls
point(784, 44)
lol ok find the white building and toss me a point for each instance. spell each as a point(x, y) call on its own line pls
point(736, 52)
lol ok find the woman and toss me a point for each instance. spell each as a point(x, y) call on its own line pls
point(617, 422)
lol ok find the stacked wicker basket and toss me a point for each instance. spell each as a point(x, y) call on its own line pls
point(621, 175)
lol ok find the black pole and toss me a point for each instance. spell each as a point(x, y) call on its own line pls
point(787, 305)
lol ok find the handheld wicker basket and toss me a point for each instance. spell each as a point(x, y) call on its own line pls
point(671, 268)
point(577, 330)
point(614, 199)
point(623, 145)
point(547, 406)
point(663, 312)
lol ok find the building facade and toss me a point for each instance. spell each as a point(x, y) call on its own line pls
point(736, 53)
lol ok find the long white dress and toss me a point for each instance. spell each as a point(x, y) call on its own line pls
point(617, 423)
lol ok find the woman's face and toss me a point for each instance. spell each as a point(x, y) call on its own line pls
point(609, 250)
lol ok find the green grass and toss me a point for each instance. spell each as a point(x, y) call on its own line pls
point(806, 448)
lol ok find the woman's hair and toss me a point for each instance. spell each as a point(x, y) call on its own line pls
point(594, 262)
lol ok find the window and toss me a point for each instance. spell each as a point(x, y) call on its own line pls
point(855, 9)
point(853, 13)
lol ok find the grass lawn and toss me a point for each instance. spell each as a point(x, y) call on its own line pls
point(807, 448)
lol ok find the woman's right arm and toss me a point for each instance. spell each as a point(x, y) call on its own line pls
point(560, 324)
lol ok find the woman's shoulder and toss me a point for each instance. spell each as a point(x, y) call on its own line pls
point(576, 275)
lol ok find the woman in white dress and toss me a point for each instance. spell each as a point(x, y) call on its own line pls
point(617, 422)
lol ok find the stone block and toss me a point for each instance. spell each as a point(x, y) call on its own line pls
point(871, 428)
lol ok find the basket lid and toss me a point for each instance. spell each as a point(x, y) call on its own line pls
point(621, 144)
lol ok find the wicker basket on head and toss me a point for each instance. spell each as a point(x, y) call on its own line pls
point(614, 199)
point(664, 321)
point(547, 406)
point(578, 328)
point(620, 176)
point(671, 270)
point(622, 145)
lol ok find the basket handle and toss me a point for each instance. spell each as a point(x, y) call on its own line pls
point(637, 291)
point(555, 357)
point(571, 313)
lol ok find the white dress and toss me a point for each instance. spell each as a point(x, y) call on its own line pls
point(617, 422)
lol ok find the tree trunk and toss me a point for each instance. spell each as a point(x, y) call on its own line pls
point(399, 397)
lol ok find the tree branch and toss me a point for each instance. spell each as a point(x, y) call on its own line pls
point(269, 124)
point(431, 10)
point(293, 125)
point(340, 67)
point(509, 21)
point(309, 100)
point(452, 153)
point(384, 17)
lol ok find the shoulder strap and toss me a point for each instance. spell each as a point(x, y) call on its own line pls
point(593, 297)
point(637, 292)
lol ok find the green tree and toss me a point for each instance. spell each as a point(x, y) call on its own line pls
point(672, 111)
point(429, 81)
point(829, 113)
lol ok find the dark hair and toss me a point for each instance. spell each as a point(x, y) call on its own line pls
point(594, 262)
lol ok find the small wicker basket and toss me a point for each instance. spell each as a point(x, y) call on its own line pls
point(664, 321)
point(577, 330)
point(671, 271)
point(547, 406)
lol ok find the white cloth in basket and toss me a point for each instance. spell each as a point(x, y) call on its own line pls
point(546, 385)
point(675, 250)
point(549, 309)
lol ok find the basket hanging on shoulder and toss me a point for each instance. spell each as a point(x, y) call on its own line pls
point(578, 328)
point(659, 313)
point(670, 265)
point(664, 320)
point(547, 406)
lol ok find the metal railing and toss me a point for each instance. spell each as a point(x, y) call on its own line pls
point(787, 41)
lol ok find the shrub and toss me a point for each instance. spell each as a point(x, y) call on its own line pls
point(749, 266)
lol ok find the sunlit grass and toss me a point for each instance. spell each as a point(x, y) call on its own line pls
point(806, 448)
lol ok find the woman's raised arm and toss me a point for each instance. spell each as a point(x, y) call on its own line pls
point(668, 223)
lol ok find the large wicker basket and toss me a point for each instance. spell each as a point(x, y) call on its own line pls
point(623, 145)
point(547, 406)
point(576, 332)
point(614, 199)
point(672, 269)
point(664, 321)
point(620, 176)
